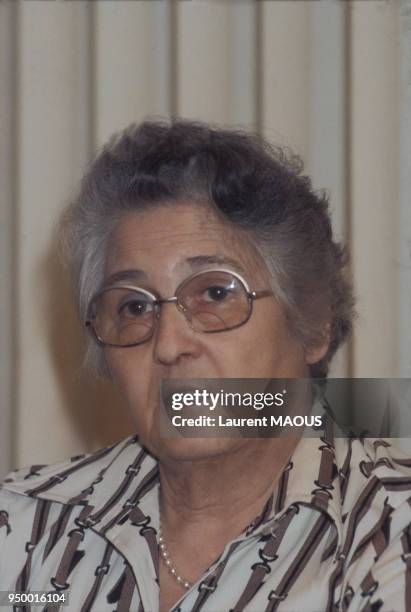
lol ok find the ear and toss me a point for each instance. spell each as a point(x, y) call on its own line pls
point(315, 353)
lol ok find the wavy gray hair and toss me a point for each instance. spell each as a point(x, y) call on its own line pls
point(256, 187)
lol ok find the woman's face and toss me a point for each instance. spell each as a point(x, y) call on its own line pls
point(166, 245)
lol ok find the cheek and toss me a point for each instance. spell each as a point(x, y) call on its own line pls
point(267, 348)
point(131, 380)
point(140, 393)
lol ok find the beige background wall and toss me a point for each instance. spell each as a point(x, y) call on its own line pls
point(331, 79)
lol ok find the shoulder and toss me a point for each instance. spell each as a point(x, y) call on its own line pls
point(71, 480)
point(375, 485)
point(375, 477)
point(39, 504)
point(380, 465)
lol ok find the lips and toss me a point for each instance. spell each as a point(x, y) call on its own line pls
point(169, 387)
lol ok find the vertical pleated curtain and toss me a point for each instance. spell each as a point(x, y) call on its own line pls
point(331, 79)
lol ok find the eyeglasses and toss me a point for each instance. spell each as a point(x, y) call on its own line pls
point(122, 315)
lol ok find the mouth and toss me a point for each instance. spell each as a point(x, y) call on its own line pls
point(170, 387)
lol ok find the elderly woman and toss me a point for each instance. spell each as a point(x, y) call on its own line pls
point(199, 252)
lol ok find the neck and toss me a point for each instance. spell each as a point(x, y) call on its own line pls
point(226, 492)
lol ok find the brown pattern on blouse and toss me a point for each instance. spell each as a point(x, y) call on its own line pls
point(335, 535)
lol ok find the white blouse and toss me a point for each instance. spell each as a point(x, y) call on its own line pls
point(335, 535)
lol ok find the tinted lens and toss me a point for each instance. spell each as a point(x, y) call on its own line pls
point(122, 316)
point(215, 301)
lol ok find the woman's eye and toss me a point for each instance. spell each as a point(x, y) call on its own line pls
point(136, 308)
point(216, 294)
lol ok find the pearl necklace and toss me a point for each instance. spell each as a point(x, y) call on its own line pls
point(169, 564)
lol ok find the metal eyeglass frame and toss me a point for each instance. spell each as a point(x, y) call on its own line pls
point(157, 302)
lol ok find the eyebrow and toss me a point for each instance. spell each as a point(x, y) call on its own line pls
point(125, 275)
point(198, 261)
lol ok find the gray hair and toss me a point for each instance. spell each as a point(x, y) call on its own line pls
point(250, 184)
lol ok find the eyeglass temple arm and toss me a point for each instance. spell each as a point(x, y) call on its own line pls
point(260, 294)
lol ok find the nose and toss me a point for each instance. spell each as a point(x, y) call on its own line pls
point(174, 338)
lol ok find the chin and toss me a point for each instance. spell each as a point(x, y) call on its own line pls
point(195, 449)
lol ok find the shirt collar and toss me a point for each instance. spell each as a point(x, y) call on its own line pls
point(116, 479)
point(311, 478)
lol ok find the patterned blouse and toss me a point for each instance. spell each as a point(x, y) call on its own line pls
point(335, 534)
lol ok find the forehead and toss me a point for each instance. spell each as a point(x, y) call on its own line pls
point(176, 237)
